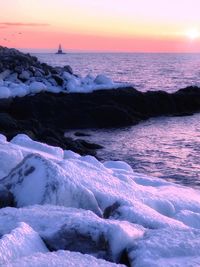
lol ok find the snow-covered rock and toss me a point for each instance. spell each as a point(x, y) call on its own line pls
point(5, 92)
point(36, 87)
point(37, 180)
point(157, 223)
point(70, 84)
point(102, 79)
point(27, 143)
point(74, 230)
point(61, 259)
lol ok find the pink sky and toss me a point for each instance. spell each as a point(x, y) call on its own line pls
point(102, 25)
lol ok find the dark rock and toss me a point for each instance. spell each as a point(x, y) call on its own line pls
point(6, 197)
point(72, 240)
point(58, 79)
point(7, 122)
point(110, 210)
point(124, 258)
point(81, 134)
point(68, 69)
point(88, 144)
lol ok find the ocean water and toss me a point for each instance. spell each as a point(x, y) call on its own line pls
point(165, 147)
point(156, 71)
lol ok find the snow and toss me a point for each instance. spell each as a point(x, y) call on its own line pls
point(63, 196)
point(61, 259)
point(72, 84)
point(22, 241)
point(37, 180)
point(26, 142)
point(5, 92)
point(36, 87)
point(54, 222)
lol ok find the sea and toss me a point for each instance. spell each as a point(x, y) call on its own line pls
point(164, 147)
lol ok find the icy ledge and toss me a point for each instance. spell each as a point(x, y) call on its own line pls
point(71, 84)
point(72, 210)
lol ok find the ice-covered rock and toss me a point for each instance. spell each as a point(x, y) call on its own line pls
point(102, 79)
point(36, 87)
point(26, 142)
point(165, 247)
point(74, 230)
point(61, 259)
point(25, 75)
point(149, 221)
point(22, 241)
point(37, 180)
point(5, 92)
point(10, 156)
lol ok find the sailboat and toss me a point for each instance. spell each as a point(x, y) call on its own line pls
point(60, 52)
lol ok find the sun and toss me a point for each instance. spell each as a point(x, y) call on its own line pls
point(193, 34)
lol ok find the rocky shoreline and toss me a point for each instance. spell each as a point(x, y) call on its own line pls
point(45, 116)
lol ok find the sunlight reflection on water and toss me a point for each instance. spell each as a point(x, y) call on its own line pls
point(168, 148)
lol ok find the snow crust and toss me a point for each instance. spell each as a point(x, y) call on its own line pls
point(60, 193)
point(61, 259)
point(72, 84)
point(22, 241)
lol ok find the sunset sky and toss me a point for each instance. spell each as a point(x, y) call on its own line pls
point(101, 25)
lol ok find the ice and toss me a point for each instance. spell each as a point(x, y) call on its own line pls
point(22, 241)
point(26, 142)
point(102, 79)
point(68, 154)
point(72, 84)
point(167, 247)
point(5, 92)
point(36, 87)
point(61, 259)
point(10, 156)
point(118, 165)
point(157, 223)
point(58, 226)
point(37, 180)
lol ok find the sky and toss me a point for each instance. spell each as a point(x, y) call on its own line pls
point(101, 25)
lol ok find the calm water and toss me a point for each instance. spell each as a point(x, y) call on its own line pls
point(168, 148)
point(145, 71)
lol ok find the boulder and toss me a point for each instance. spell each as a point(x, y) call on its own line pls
point(6, 197)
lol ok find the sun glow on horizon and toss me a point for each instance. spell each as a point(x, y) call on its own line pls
point(193, 34)
point(122, 25)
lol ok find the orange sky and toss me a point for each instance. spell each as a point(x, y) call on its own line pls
point(100, 25)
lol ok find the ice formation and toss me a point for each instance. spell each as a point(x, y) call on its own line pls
point(87, 210)
point(72, 84)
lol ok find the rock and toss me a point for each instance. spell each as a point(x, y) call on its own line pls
point(58, 79)
point(7, 122)
point(68, 69)
point(25, 75)
point(38, 73)
point(88, 144)
point(6, 197)
point(81, 134)
point(14, 78)
point(45, 182)
point(36, 87)
point(4, 74)
point(108, 212)
point(73, 240)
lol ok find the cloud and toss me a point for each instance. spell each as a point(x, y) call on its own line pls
point(4, 25)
